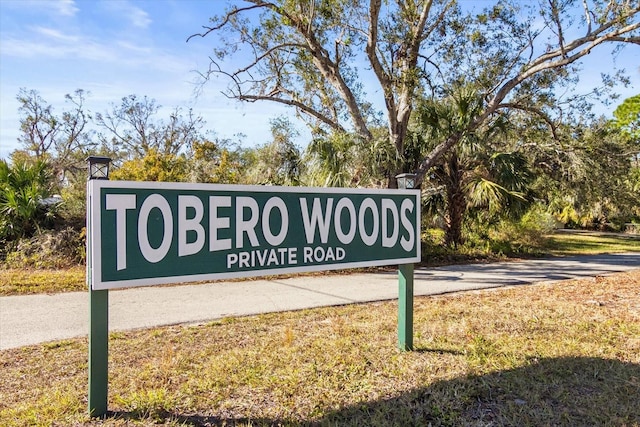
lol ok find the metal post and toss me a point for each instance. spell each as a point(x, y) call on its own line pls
point(405, 283)
point(98, 309)
point(405, 307)
point(98, 352)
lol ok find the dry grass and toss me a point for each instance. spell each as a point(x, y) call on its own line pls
point(32, 281)
point(550, 354)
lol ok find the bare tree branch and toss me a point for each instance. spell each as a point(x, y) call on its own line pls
point(531, 109)
point(227, 19)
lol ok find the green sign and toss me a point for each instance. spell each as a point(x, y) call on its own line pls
point(147, 233)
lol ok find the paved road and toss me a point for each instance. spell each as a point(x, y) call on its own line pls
point(34, 319)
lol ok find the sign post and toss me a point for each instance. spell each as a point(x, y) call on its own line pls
point(150, 233)
point(98, 351)
point(98, 308)
point(405, 283)
point(405, 307)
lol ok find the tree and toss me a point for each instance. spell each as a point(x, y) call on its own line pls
point(309, 55)
point(133, 131)
point(478, 173)
point(627, 119)
point(333, 161)
point(278, 162)
point(64, 141)
point(627, 116)
point(154, 166)
point(584, 170)
point(215, 161)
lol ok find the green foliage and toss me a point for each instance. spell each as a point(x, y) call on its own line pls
point(23, 186)
point(339, 159)
point(278, 162)
point(478, 179)
point(525, 235)
point(333, 161)
point(586, 174)
point(154, 166)
point(214, 162)
point(492, 238)
point(627, 116)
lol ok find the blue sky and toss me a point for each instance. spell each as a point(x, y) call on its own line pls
point(114, 48)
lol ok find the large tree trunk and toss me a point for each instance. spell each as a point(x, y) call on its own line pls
point(456, 203)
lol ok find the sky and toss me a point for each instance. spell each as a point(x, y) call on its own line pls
point(115, 48)
point(112, 49)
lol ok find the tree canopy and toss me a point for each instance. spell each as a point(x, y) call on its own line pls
point(313, 55)
point(627, 116)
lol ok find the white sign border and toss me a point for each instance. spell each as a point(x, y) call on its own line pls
point(95, 269)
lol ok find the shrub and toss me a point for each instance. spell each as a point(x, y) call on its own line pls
point(49, 249)
point(23, 186)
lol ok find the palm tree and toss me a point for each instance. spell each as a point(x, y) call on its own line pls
point(23, 186)
point(332, 161)
point(477, 175)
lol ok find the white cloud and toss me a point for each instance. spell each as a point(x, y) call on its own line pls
point(136, 16)
point(54, 44)
point(65, 7)
point(51, 33)
point(140, 18)
point(45, 42)
point(57, 7)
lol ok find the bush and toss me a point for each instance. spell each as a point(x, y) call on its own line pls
point(23, 186)
point(512, 236)
point(50, 249)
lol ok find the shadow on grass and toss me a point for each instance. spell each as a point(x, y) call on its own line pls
point(558, 392)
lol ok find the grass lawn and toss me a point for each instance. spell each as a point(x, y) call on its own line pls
point(565, 354)
point(591, 242)
point(29, 281)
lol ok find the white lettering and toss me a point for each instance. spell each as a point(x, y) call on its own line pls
point(322, 254)
point(389, 241)
point(216, 223)
point(282, 252)
point(307, 254)
point(407, 243)
point(318, 253)
point(330, 256)
point(247, 226)
point(318, 221)
point(231, 260)
point(275, 202)
point(368, 239)
point(155, 254)
point(121, 203)
point(273, 257)
point(244, 260)
point(262, 256)
point(266, 257)
point(185, 225)
point(345, 238)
